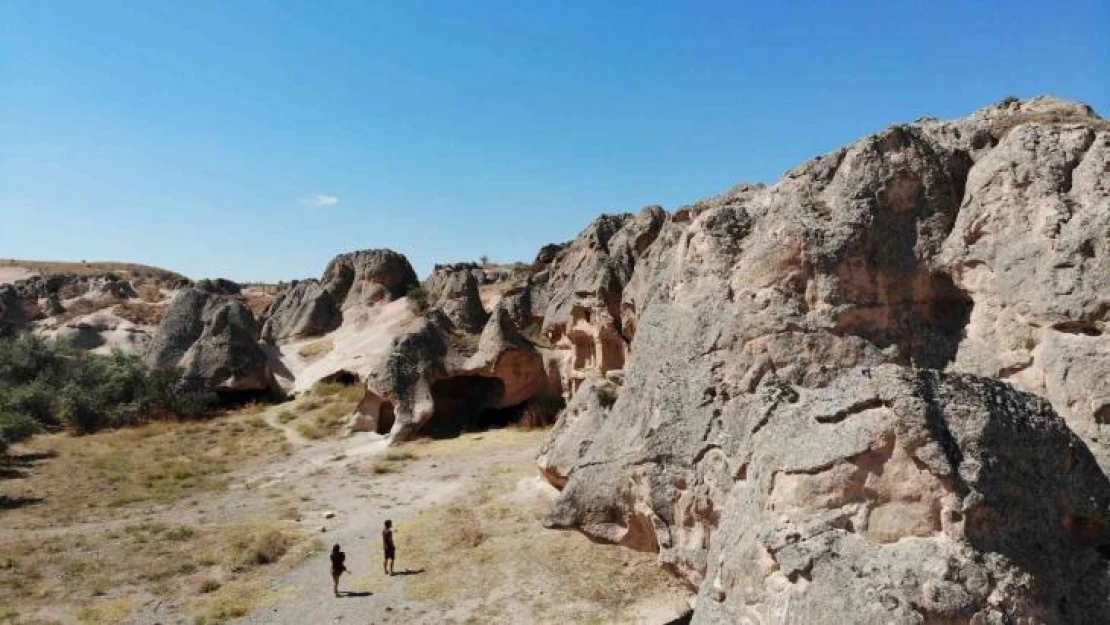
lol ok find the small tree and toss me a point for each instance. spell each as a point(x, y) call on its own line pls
point(484, 260)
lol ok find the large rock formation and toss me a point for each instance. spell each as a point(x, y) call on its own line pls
point(454, 290)
point(578, 288)
point(305, 309)
point(368, 276)
point(212, 337)
point(979, 245)
point(439, 378)
point(887, 496)
point(312, 308)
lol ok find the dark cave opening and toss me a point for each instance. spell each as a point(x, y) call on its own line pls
point(344, 377)
point(386, 418)
point(469, 403)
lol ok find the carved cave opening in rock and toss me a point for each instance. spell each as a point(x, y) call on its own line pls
point(343, 377)
point(469, 403)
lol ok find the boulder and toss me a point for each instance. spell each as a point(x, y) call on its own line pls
point(212, 337)
point(454, 290)
point(306, 309)
point(367, 277)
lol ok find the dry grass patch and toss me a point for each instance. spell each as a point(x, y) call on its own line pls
point(130, 271)
point(89, 478)
point(316, 350)
point(142, 313)
point(324, 412)
point(145, 559)
point(479, 545)
point(106, 612)
point(86, 306)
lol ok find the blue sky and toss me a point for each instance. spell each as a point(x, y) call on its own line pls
point(256, 140)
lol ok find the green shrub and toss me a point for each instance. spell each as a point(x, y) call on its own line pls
point(419, 298)
point(17, 427)
point(45, 386)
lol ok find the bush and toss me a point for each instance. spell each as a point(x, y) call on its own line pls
point(16, 427)
point(419, 298)
point(46, 386)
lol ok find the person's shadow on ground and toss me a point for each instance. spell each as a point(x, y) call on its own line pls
point(409, 572)
point(355, 593)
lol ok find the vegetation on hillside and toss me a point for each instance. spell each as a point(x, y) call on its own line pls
point(48, 386)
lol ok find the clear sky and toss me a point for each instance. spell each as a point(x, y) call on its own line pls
point(256, 140)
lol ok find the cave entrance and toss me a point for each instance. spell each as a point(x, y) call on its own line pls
point(386, 418)
point(343, 377)
point(469, 403)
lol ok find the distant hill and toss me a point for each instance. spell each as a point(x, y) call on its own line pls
point(12, 269)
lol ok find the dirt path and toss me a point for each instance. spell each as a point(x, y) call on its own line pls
point(471, 546)
point(429, 491)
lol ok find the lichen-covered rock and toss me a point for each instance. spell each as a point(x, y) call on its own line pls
point(367, 277)
point(1031, 247)
point(212, 337)
point(454, 290)
point(977, 245)
point(303, 310)
point(888, 496)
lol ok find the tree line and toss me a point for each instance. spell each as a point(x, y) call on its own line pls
point(49, 386)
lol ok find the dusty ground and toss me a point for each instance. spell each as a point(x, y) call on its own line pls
point(231, 521)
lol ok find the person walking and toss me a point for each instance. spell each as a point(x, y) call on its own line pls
point(390, 548)
point(338, 567)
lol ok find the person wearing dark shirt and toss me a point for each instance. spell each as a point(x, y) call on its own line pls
point(390, 549)
point(338, 567)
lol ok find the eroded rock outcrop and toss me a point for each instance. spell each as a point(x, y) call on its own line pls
point(439, 378)
point(368, 276)
point(579, 287)
point(212, 336)
point(305, 309)
point(454, 290)
point(315, 307)
point(888, 496)
point(1031, 247)
point(977, 245)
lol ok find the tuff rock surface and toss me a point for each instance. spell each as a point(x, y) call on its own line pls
point(212, 336)
point(737, 432)
point(368, 276)
point(440, 377)
point(454, 290)
point(305, 309)
point(315, 307)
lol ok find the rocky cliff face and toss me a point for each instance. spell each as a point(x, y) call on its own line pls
point(744, 440)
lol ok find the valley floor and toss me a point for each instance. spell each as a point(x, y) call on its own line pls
point(231, 520)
